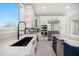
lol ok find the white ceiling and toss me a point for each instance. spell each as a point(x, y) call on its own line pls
point(54, 8)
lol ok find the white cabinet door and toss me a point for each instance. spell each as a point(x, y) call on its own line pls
point(44, 21)
point(63, 25)
point(32, 52)
point(49, 27)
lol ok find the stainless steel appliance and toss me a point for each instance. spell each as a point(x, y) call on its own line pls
point(44, 30)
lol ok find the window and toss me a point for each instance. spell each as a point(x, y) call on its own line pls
point(76, 27)
point(8, 15)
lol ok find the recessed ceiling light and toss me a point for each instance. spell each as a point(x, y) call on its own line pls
point(44, 7)
point(67, 7)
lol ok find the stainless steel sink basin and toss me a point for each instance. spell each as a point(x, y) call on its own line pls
point(23, 42)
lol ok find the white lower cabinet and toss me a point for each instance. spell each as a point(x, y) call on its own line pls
point(32, 52)
point(33, 49)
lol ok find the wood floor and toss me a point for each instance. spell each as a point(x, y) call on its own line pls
point(45, 48)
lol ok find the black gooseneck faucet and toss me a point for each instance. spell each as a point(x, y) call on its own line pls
point(21, 30)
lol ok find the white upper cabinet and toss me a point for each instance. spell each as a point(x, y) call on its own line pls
point(29, 10)
point(43, 20)
point(49, 27)
point(29, 16)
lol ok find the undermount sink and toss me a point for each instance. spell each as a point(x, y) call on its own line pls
point(23, 42)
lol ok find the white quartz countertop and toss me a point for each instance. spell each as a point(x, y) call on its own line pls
point(68, 40)
point(7, 50)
